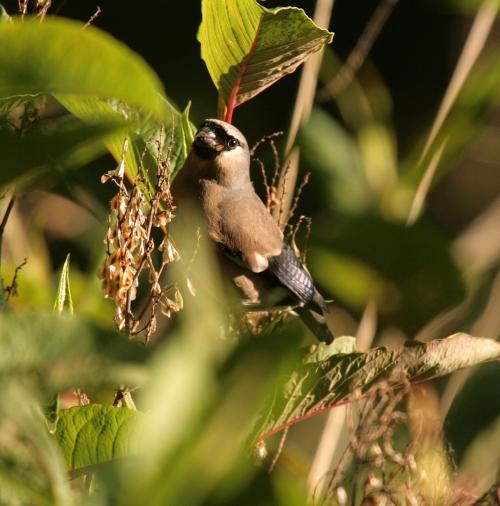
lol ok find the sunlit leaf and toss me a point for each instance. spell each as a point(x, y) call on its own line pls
point(248, 47)
point(57, 56)
point(313, 388)
point(63, 296)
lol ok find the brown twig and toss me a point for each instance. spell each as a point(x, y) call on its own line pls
point(267, 187)
point(279, 450)
point(301, 113)
point(3, 224)
point(283, 197)
point(293, 231)
point(264, 139)
point(22, 5)
point(12, 288)
point(358, 55)
point(297, 196)
point(45, 6)
point(92, 18)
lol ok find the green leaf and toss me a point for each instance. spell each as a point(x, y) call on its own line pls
point(316, 387)
point(57, 56)
point(332, 155)
point(247, 47)
point(344, 345)
point(93, 110)
point(63, 297)
point(4, 16)
point(51, 412)
point(93, 434)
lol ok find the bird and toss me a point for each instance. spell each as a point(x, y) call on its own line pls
point(251, 247)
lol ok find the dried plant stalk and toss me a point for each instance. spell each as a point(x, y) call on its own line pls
point(136, 211)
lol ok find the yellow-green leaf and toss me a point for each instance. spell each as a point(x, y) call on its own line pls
point(57, 56)
point(247, 47)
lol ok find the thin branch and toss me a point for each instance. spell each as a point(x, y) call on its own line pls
point(473, 46)
point(44, 6)
point(336, 420)
point(425, 185)
point(358, 55)
point(279, 451)
point(5, 218)
point(329, 440)
point(298, 194)
point(12, 288)
point(92, 18)
point(301, 113)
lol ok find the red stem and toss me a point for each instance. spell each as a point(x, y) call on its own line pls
point(231, 104)
point(324, 409)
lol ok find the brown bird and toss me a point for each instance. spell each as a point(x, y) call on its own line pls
point(216, 175)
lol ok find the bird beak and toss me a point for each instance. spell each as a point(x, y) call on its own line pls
point(206, 138)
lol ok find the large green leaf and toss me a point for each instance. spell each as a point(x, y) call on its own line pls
point(248, 47)
point(58, 56)
point(93, 434)
point(317, 386)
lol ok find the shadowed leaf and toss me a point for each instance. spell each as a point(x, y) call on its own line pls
point(61, 144)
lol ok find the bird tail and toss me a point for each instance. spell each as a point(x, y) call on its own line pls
point(316, 323)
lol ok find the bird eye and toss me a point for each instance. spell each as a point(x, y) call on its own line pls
point(232, 143)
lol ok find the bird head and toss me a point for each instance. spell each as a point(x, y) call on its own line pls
point(217, 138)
point(223, 148)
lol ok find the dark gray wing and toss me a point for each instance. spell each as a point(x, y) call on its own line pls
point(288, 268)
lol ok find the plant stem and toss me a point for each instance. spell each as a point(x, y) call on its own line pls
point(5, 218)
point(301, 113)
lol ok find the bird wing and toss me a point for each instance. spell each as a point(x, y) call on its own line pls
point(290, 271)
point(240, 223)
point(246, 228)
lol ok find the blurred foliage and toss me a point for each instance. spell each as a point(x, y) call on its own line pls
point(201, 402)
